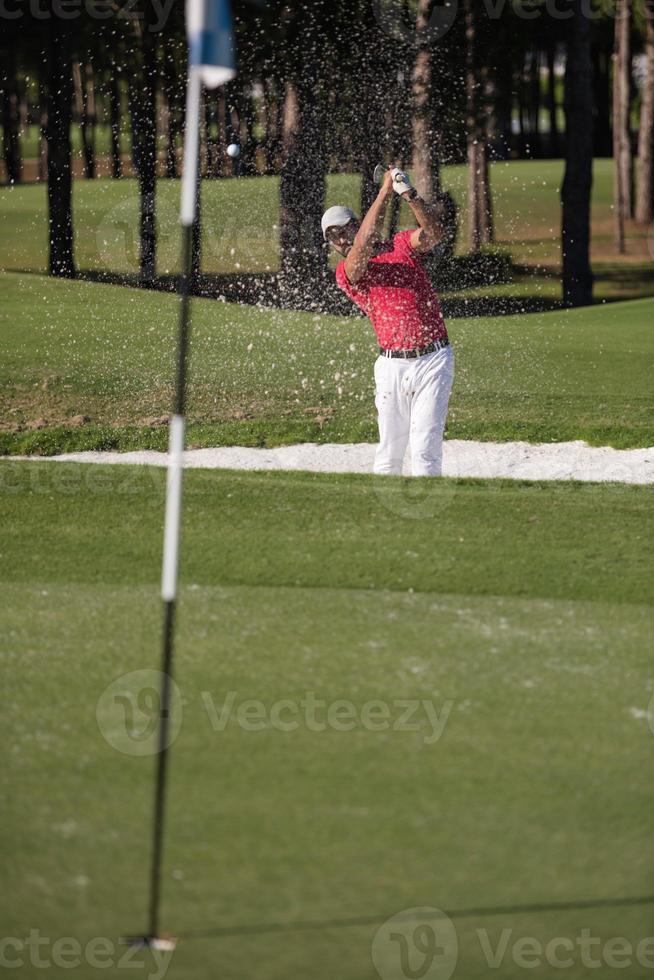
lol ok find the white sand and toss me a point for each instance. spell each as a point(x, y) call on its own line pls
point(513, 460)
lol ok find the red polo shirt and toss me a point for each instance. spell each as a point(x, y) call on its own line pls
point(397, 296)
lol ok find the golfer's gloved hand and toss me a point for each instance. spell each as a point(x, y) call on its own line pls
point(401, 182)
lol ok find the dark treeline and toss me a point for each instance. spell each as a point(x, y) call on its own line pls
point(338, 86)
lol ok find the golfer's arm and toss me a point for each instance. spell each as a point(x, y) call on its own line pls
point(429, 218)
point(364, 241)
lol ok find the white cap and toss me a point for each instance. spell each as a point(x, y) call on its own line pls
point(336, 216)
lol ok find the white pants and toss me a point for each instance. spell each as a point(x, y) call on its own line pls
point(412, 398)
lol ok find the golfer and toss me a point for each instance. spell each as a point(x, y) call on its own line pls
point(415, 367)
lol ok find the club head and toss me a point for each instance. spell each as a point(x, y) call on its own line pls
point(378, 174)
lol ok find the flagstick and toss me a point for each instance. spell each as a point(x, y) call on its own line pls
point(174, 484)
point(212, 62)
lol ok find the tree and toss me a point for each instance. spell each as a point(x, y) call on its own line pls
point(426, 170)
point(578, 179)
point(171, 84)
point(59, 113)
point(10, 117)
point(622, 157)
point(480, 220)
point(302, 182)
point(369, 107)
point(551, 98)
point(85, 112)
point(115, 121)
point(147, 137)
point(645, 195)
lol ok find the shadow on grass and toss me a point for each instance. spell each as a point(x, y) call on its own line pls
point(640, 274)
point(266, 290)
point(366, 920)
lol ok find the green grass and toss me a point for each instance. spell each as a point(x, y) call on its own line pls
point(524, 607)
point(241, 219)
point(269, 377)
point(30, 137)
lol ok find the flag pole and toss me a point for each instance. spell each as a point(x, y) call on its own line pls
point(210, 62)
point(169, 574)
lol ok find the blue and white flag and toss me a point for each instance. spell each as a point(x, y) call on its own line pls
point(210, 40)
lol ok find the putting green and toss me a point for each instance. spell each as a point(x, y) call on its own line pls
point(520, 613)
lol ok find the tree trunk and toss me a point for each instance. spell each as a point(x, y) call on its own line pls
point(486, 215)
point(114, 123)
point(10, 120)
point(602, 60)
point(59, 108)
point(578, 179)
point(245, 112)
point(551, 100)
point(522, 124)
point(479, 194)
point(271, 135)
point(622, 162)
point(426, 172)
point(645, 196)
point(212, 131)
point(148, 150)
point(85, 109)
point(43, 127)
point(170, 84)
point(504, 107)
point(369, 121)
point(534, 97)
point(302, 193)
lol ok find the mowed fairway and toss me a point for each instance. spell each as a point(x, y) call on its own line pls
point(520, 612)
point(88, 366)
point(240, 222)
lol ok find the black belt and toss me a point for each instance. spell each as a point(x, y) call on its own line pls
point(416, 351)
